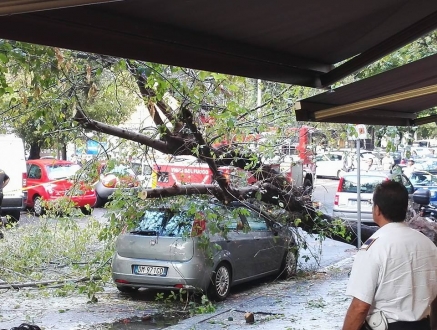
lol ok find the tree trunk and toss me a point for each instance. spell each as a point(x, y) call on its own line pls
point(64, 151)
point(35, 151)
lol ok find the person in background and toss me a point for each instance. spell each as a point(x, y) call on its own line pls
point(370, 165)
point(409, 169)
point(4, 180)
point(393, 282)
point(387, 162)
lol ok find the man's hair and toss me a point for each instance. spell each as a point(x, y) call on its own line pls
point(392, 200)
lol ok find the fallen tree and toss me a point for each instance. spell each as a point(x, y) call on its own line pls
point(271, 187)
point(184, 137)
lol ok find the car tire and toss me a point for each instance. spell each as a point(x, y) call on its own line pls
point(100, 202)
point(220, 285)
point(289, 264)
point(86, 210)
point(126, 289)
point(37, 206)
point(14, 216)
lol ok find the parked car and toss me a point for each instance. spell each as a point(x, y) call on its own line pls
point(425, 180)
point(426, 164)
point(165, 250)
point(330, 164)
point(345, 200)
point(113, 178)
point(50, 179)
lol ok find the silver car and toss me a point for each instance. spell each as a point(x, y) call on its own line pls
point(167, 250)
point(345, 200)
point(118, 177)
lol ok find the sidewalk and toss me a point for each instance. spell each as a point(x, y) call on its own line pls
point(315, 303)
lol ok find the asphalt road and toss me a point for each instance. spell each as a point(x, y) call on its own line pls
point(286, 294)
point(324, 193)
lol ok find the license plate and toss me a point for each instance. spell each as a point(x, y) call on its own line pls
point(150, 270)
point(354, 203)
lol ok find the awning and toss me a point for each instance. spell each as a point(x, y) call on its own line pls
point(290, 41)
point(393, 97)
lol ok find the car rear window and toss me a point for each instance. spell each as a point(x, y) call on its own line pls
point(164, 223)
point(368, 183)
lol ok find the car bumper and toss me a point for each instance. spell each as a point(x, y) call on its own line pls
point(192, 274)
point(79, 201)
point(15, 203)
point(366, 217)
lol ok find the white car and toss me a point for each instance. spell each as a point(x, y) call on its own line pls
point(330, 164)
point(345, 201)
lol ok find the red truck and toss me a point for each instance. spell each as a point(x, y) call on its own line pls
point(182, 171)
point(295, 159)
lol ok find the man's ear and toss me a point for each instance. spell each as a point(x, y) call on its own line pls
point(377, 210)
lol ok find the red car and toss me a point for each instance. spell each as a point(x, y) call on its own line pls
point(49, 179)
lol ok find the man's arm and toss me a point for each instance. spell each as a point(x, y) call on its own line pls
point(356, 315)
point(434, 315)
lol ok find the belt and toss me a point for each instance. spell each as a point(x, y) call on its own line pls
point(423, 324)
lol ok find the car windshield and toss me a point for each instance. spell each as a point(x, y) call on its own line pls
point(121, 170)
point(426, 164)
point(368, 183)
point(165, 223)
point(423, 179)
point(60, 171)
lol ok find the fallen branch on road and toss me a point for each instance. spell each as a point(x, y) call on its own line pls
point(46, 283)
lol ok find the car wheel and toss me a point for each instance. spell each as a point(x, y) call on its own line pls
point(126, 289)
point(220, 283)
point(289, 264)
point(100, 202)
point(86, 210)
point(37, 206)
point(14, 216)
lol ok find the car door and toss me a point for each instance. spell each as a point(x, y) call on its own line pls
point(240, 245)
point(34, 182)
point(335, 164)
point(267, 250)
point(322, 162)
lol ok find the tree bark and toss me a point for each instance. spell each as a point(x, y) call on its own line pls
point(35, 151)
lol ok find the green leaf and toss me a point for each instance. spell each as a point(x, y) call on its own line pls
point(4, 58)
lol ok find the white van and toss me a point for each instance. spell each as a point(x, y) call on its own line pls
point(13, 162)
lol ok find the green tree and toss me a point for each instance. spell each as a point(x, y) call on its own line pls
point(42, 84)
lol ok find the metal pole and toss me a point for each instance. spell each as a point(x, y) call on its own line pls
point(358, 195)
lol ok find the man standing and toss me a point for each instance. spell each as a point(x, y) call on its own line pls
point(410, 167)
point(4, 180)
point(387, 162)
point(394, 275)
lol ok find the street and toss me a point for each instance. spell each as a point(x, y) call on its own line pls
point(324, 193)
point(271, 299)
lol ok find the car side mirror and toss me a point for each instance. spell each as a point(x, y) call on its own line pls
point(276, 228)
point(422, 196)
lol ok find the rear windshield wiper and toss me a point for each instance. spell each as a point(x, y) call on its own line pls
point(144, 232)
